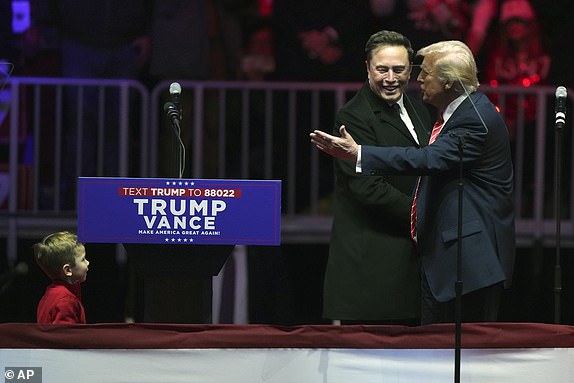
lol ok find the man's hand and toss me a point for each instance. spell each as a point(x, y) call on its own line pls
point(343, 147)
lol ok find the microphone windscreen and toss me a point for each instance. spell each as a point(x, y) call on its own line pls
point(175, 88)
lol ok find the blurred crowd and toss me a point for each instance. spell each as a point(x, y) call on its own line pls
point(515, 41)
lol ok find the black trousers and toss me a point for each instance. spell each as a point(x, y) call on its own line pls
point(477, 306)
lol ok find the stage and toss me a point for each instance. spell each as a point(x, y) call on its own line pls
point(491, 352)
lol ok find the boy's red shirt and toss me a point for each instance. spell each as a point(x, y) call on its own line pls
point(61, 304)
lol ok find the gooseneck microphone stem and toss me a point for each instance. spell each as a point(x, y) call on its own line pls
point(180, 148)
point(173, 113)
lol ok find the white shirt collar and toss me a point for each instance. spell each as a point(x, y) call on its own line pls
point(449, 110)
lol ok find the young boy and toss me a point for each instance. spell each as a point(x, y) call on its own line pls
point(63, 260)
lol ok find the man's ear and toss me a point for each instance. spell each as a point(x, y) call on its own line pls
point(67, 269)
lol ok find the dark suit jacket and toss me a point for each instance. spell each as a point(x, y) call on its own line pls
point(488, 232)
point(372, 272)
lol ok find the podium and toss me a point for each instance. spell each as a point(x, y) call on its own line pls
point(178, 234)
point(173, 283)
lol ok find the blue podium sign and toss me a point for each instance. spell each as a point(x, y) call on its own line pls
point(179, 211)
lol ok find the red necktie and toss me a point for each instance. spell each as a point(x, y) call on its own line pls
point(435, 131)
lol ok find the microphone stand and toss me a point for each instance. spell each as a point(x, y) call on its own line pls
point(458, 282)
point(175, 116)
point(557, 214)
point(180, 154)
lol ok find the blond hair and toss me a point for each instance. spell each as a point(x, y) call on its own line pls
point(454, 62)
point(56, 250)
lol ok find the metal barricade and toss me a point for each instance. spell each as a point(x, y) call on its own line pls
point(242, 130)
point(51, 127)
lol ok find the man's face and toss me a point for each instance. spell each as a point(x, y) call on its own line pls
point(388, 72)
point(432, 88)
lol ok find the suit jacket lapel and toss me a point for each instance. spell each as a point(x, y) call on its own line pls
point(464, 107)
point(385, 113)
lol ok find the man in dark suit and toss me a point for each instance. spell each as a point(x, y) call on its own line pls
point(448, 81)
point(372, 273)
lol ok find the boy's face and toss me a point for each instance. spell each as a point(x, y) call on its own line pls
point(78, 272)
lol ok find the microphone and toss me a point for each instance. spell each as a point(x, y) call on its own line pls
point(175, 93)
point(172, 112)
point(560, 108)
